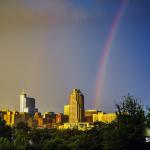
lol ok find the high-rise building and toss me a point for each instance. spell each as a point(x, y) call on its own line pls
point(76, 106)
point(27, 104)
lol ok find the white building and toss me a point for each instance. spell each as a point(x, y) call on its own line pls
point(27, 104)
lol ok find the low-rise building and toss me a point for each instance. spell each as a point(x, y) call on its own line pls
point(79, 126)
point(104, 117)
point(61, 118)
point(66, 110)
point(89, 115)
point(12, 118)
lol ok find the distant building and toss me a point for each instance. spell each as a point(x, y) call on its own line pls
point(12, 118)
point(66, 110)
point(49, 117)
point(27, 104)
point(61, 118)
point(76, 106)
point(79, 126)
point(39, 119)
point(104, 117)
point(2, 113)
point(89, 115)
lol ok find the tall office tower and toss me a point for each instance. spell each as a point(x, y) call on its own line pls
point(76, 106)
point(27, 104)
point(23, 97)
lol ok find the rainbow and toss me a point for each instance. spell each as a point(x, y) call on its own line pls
point(106, 52)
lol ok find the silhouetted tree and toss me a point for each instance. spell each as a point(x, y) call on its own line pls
point(38, 137)
point(5, 144)
point(127, 132)
point(5, 130)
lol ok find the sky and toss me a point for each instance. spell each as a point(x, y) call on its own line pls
point(49, 47)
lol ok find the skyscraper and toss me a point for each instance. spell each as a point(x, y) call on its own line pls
point(27, 104)
point(76, 106)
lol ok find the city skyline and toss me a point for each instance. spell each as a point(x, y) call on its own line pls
point(50, 47)
point(74, 116)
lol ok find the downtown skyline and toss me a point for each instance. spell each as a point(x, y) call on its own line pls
point(50, 47)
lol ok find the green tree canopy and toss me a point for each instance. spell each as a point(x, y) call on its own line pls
point(127, 132)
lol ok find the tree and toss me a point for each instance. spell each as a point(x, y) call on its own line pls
point(39, 137)
point(22, 126)
point(5, 130)
point(148, 118)
point(5, 144)
point(20, 137)
point(127, 132)
point(56, 144)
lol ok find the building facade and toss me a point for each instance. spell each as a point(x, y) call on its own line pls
point(27, 104)
point(89, 115)
point(79, 126)
point(103, 117)
point(12, 118)
point(66, 110)
point(76, 106)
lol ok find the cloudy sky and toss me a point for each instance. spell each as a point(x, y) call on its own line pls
point(48, 47)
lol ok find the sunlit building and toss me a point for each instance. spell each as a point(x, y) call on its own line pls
point(79, 126)
point(12, 118)
point(8, 118)
point(27, 104)
point(66, 110)
point(89, 115)
point(39, 119)
point(76, 106)
point(2, 113)
point(104, 117)
point(61, 118)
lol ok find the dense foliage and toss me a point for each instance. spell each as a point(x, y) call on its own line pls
point(125, 133)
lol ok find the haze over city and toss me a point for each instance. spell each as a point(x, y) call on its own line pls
point(48, 47)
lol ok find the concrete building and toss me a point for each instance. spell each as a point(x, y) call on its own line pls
point(49, 117)
point(104, 117)
point(61, 118)
point(12, 118)
point(27, 104)
point(79, 126)
point(2, 113)
point(76, 106)
point(66, 110)
point(38, 117)
point(89, 115)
